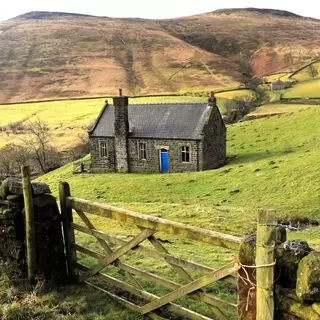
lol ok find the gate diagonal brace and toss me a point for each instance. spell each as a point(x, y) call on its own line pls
point(103, 243)
point(118, 253)
point(191, 287)
point(159, 247)
point(87, 222)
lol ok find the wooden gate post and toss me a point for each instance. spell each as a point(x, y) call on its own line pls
point(265, 264)
point(68, 230)
point(29, 223)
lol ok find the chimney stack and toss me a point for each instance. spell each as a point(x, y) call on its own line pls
point(121, 131)
point(212, 101)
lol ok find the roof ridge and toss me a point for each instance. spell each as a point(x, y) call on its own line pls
point(165, 103)
point(178, 120)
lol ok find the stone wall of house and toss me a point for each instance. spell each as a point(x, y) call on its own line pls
point(214, 141)
point(207, 154)
point(98, 163)
point(152, 163)
point(50, 258)
point(297, 280)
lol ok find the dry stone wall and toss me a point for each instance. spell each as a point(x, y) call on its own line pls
point(49, 241)
point(297, 280)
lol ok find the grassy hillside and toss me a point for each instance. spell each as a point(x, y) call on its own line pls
point(272, 163)
point(308, 73)
point(48, 55)
point(68, 120)
point(305, 89)
point(273, 109)
point(277, 76)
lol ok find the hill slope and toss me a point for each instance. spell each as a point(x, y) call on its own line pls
point(273, 164)
point(50, 55)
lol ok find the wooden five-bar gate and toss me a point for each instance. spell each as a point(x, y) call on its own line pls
point(195, 277)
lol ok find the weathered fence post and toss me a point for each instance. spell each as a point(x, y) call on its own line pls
point(265, 258)
point(68, 230)
point(29, 222)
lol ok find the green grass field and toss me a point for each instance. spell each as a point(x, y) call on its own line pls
point(272, 109)
point(307, 74)
point(277, 76)
point(68, 120)
point(247, 95)
point(273, 163)
point(306, 89)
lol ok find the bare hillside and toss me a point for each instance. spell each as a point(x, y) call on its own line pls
point(52, 55)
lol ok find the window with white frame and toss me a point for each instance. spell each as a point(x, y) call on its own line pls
point(185, 154)
point(142, 151)
point(103, 149)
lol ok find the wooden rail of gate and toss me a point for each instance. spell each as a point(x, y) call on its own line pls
point(148, 226)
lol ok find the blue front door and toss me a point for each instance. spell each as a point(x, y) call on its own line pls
point(164, 161)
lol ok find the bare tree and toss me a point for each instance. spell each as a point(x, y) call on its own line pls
point(6, 160)
point(38, 142)
point(21, 156)
point(236, 109)
point(81, 147)
point(313, 71)
point(12, 156)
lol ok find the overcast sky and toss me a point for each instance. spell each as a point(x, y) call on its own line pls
point(152, 8)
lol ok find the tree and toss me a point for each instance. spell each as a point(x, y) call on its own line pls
point(313, 71)
point(81, 146)
point(236, 109)
point(12, 157)
point(6, 163)
point(38, 142)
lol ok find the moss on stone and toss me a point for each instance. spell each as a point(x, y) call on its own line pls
point(308, 278)
point(296, 309)
point(247, 252)
point(316, 308)
point(288, 256)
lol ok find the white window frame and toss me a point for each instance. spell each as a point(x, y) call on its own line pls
point(185, 154)
point(142, 151)
point(103, 148)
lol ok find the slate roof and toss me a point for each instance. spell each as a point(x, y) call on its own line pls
point(165, 121)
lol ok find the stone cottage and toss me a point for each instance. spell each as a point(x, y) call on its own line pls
point(171, 137)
